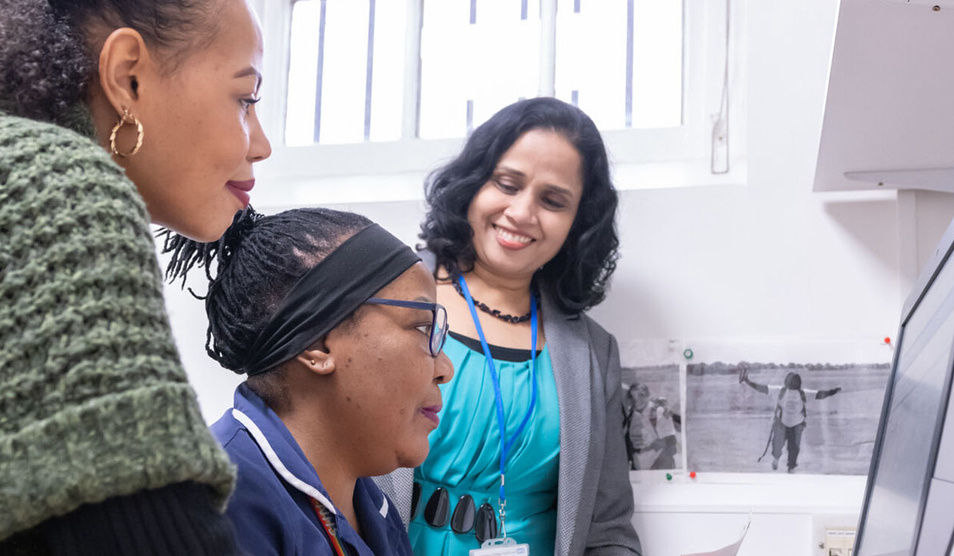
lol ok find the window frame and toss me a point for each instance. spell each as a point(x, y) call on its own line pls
point(646, 158)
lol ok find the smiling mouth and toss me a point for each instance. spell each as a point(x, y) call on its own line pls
point(512, 237)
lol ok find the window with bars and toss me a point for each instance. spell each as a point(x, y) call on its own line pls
point(621, 61)
point(363, 97)
point(352, 64)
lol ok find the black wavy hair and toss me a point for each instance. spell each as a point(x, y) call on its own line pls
point(576, 277)
point(257, 262)
point(49, 49)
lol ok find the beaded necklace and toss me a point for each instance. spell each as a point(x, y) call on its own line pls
point(492, 312)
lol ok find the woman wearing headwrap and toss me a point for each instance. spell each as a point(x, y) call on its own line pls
point(334, 322)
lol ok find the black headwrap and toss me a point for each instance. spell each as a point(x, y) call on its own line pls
point(328, 293)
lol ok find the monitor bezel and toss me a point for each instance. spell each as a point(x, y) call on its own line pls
point(926, 279)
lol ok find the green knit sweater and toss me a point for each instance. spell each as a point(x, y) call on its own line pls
point(94, 402)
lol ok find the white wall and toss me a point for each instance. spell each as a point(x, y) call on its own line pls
point(767, 261)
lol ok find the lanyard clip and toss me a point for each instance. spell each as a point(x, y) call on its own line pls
point(503, 519)
point(503, 508)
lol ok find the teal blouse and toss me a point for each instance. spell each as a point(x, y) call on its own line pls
point(465, 450)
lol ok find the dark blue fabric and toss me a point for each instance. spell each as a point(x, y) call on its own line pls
point(272, 517)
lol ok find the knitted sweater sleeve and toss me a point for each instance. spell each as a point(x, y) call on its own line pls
point(94, 402)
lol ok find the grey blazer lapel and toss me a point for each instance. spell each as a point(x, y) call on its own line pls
point(568, 342)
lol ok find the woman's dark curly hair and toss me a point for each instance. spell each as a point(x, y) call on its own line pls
point(576, 277)
point(49, 49)
point(257, 262)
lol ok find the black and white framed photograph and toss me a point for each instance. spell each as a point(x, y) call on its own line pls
point(652, 417)
point(783, 417)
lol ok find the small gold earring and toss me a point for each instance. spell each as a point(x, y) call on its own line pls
point(312, 361)
point(126, 119)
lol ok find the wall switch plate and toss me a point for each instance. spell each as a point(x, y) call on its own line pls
point(840, 542)
point(834, 535)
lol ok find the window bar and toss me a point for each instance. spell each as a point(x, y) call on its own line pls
point(321, 64)
point(684, 97)
point(411, 120)
point(547, 83)
point(369, 72)
point(575, 97)
point(523, 10)
point(576, 6)
point(630, 15)
point(719, 157)
point(473, 12)
point(470, 116)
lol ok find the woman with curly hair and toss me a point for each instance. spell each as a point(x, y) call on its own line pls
point(522, 237)
point(113, 114)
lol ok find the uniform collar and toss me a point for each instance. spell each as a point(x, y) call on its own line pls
point(287, 459)
point(278, 445)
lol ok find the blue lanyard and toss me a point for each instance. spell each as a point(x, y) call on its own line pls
point(506, 445)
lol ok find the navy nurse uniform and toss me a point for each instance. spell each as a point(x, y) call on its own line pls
point(272, 504)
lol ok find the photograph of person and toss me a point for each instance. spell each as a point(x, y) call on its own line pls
point(821, 417)
point(333, 321)
point(790, 413)
point(635, 403)
point(665, 425)
point(652, 425)
point(521, 235)
point(113, 115)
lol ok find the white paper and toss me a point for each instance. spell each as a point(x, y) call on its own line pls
point(730, 550)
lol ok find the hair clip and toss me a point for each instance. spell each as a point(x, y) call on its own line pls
point(438, 509)
point(486, 523)
point(462, 521)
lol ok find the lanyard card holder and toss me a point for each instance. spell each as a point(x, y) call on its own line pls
point(501, 547)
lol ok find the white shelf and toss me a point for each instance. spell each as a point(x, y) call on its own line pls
point(889, 115)
point(756, 493)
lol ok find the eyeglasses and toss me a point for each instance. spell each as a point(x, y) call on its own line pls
point(438, 332)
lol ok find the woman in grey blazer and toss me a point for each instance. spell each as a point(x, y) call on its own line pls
point(521, 235)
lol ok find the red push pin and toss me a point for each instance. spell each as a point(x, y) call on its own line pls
point(887, 340)
point(692, 474)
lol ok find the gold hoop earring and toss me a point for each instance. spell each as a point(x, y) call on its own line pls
point(126, 119)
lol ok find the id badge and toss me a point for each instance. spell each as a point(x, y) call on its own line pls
point(501, 547)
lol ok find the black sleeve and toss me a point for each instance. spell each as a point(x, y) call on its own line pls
point(827, 393)
point(174, 520)
point(25, 543)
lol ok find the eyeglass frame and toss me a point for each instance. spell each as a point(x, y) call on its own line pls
point(435, 309)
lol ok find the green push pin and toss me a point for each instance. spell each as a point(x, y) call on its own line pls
point(668, 476)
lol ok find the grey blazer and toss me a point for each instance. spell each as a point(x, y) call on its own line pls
point(594, 496)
